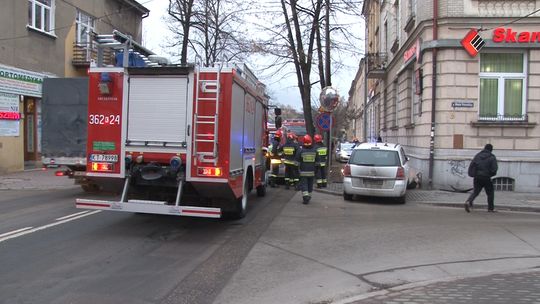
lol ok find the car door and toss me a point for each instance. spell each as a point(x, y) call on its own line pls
point(405, 162)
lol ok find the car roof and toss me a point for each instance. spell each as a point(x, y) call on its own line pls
point(378, 145)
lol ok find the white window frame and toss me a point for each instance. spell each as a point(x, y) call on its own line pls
point(41, 27)
point(501, 77)
point(89, 27)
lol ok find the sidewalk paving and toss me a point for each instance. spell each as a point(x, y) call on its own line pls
point(504, 200)
point(35, 179)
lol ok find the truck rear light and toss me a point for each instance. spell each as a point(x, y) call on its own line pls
point(346, 170)
point(400, 174)
point(209, 171)
point(102, 167)
point(59, 173)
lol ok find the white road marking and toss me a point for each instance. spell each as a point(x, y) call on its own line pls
point(71, 215)
point(14, 231)
point(25, 231)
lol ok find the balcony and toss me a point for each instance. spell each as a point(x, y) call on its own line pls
point(85, 53)
point(376, 65)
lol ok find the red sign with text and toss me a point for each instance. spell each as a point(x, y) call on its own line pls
point(10, 115)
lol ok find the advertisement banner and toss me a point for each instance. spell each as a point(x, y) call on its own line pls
point(20, 82)
point(9, 106)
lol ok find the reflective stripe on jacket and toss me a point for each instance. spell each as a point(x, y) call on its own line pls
point(289, 153)
point(322, 152)
point(308, 158)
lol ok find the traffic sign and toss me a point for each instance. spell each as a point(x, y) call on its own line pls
point(324, 121)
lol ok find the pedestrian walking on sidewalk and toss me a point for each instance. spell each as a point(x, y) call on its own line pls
point(307, 158)
point(482, 168)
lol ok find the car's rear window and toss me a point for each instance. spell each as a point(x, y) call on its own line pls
point(347, 146)
point(376, 158)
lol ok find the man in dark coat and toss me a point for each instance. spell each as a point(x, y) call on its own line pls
point(483, 167)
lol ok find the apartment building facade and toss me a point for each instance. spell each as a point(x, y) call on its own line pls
point(444, 78)
point(48, 38)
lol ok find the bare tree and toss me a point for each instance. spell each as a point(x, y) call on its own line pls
point(211, 29)
point(301, 42)
point(315, 41)
point(181, 12)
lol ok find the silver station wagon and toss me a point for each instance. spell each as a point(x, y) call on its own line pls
point(376, 169)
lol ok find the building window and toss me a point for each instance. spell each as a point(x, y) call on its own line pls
point(502, 86)
point(85, 26)
point(41, 15)
point(504, 184)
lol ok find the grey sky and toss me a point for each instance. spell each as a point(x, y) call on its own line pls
point(284, 91)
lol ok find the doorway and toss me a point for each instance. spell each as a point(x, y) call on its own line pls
point(32, 119)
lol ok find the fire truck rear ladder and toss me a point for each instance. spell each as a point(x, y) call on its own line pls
point(211, 88)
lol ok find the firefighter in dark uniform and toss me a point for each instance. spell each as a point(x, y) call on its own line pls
point(307, 159)
point(289, 159)
point(275, 153)
point(320, 169)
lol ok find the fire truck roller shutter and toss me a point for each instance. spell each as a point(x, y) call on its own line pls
point(237, 128)
point(157, 109)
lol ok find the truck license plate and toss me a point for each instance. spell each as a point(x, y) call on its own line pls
point(104, 158)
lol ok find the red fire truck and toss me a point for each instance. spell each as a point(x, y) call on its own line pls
point(185, 140)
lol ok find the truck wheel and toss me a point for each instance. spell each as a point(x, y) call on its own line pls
point(240, 205)
point(261, 190)
point(90, 188)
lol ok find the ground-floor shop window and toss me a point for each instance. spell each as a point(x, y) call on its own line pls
point(502, 86)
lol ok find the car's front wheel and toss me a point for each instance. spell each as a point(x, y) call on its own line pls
point(347, 196)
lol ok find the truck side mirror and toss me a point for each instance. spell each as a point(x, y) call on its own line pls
point(277, 111)
point(278, 122)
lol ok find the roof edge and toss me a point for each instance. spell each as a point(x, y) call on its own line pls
point(136, 5)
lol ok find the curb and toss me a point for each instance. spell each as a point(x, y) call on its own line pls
point(452, 205)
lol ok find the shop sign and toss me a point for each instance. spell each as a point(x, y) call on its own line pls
point(412, 51)
point(472, 42)
point(508, 35)
point(9, 115)
point(20, 82)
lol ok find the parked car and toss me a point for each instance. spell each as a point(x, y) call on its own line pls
point(377, 169)
point(343, 151)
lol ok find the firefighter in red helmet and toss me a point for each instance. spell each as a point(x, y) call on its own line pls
point(320, 168)
point(307, 158)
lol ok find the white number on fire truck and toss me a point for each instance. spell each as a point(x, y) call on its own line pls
point(100, 119)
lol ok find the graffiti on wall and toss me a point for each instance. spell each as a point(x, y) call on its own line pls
point(458, 168)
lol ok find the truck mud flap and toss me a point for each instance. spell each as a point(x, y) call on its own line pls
point(153, 207)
